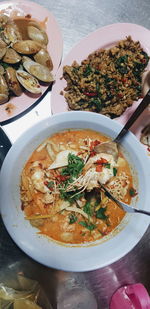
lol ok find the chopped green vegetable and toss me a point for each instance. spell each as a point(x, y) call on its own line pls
point(50, 184)
point(75, 69)
point(132, 192)
point(114, 171)
point(97, 103)
point(88, 70)
point(72, 219)
point(88, 209)
point(89, 226)
point(121, 64)
point(71, 196)
point(100, 214)
point(107, 165)
point(75, 166)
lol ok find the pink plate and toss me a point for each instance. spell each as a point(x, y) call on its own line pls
point(17, 105)
point(102, 38)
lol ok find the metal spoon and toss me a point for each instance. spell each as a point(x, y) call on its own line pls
point(124, 206)
point(111, 147)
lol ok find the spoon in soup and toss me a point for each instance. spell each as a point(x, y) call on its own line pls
point(112, 146)
point(124, 206)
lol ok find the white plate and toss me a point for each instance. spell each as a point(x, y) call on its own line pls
point(20, 105)
point(44, 250)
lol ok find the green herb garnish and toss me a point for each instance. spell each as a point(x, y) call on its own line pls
point(89, 226)
point(121, 64)
point(71, 196)
point(107, 165)
point(132, 192)
point(87, 71)
point(72, 219)
point(97, 103)
point(88, 209)
point(75, 166)
point(100, 214)
point(50, 184)
point(114, 171)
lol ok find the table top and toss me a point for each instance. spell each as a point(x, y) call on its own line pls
point(76, 19)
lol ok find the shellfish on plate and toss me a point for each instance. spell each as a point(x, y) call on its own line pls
point(18, 72)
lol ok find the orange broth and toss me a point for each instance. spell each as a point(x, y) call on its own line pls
point(58, 226)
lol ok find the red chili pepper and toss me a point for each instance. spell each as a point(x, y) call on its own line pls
point(61, 178)
point(124, 80)
point(90, 94)
point(94, 143)
point(120, 95)
point(101, 161)
point(99, 168)
point(92, 153)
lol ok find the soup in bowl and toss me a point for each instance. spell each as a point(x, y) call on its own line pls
point(52, 203)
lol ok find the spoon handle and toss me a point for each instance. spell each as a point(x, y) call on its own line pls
point(122, 205)
point(143, 212)
point(144, 103)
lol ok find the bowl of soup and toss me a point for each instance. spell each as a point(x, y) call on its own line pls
point(51, 200)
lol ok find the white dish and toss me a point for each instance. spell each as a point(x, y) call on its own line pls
point(43, 249)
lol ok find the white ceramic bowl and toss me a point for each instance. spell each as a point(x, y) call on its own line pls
point(41, 248)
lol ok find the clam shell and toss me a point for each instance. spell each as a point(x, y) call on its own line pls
point(2, 52)
point(2, 43)
point(11, 34)
point(3, 20)
point(2, 71)
point(28, 81)
point(3, 90)
point(12, 81)
point(35, 24)
point(37, 35)
point(11, 56)
point(3, 98)
point(3, 86)
point(39, 71)
point(44, 58)
point(27, 47)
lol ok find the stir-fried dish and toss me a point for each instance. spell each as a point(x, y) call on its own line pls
point(60, 187)
point(108, 80)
